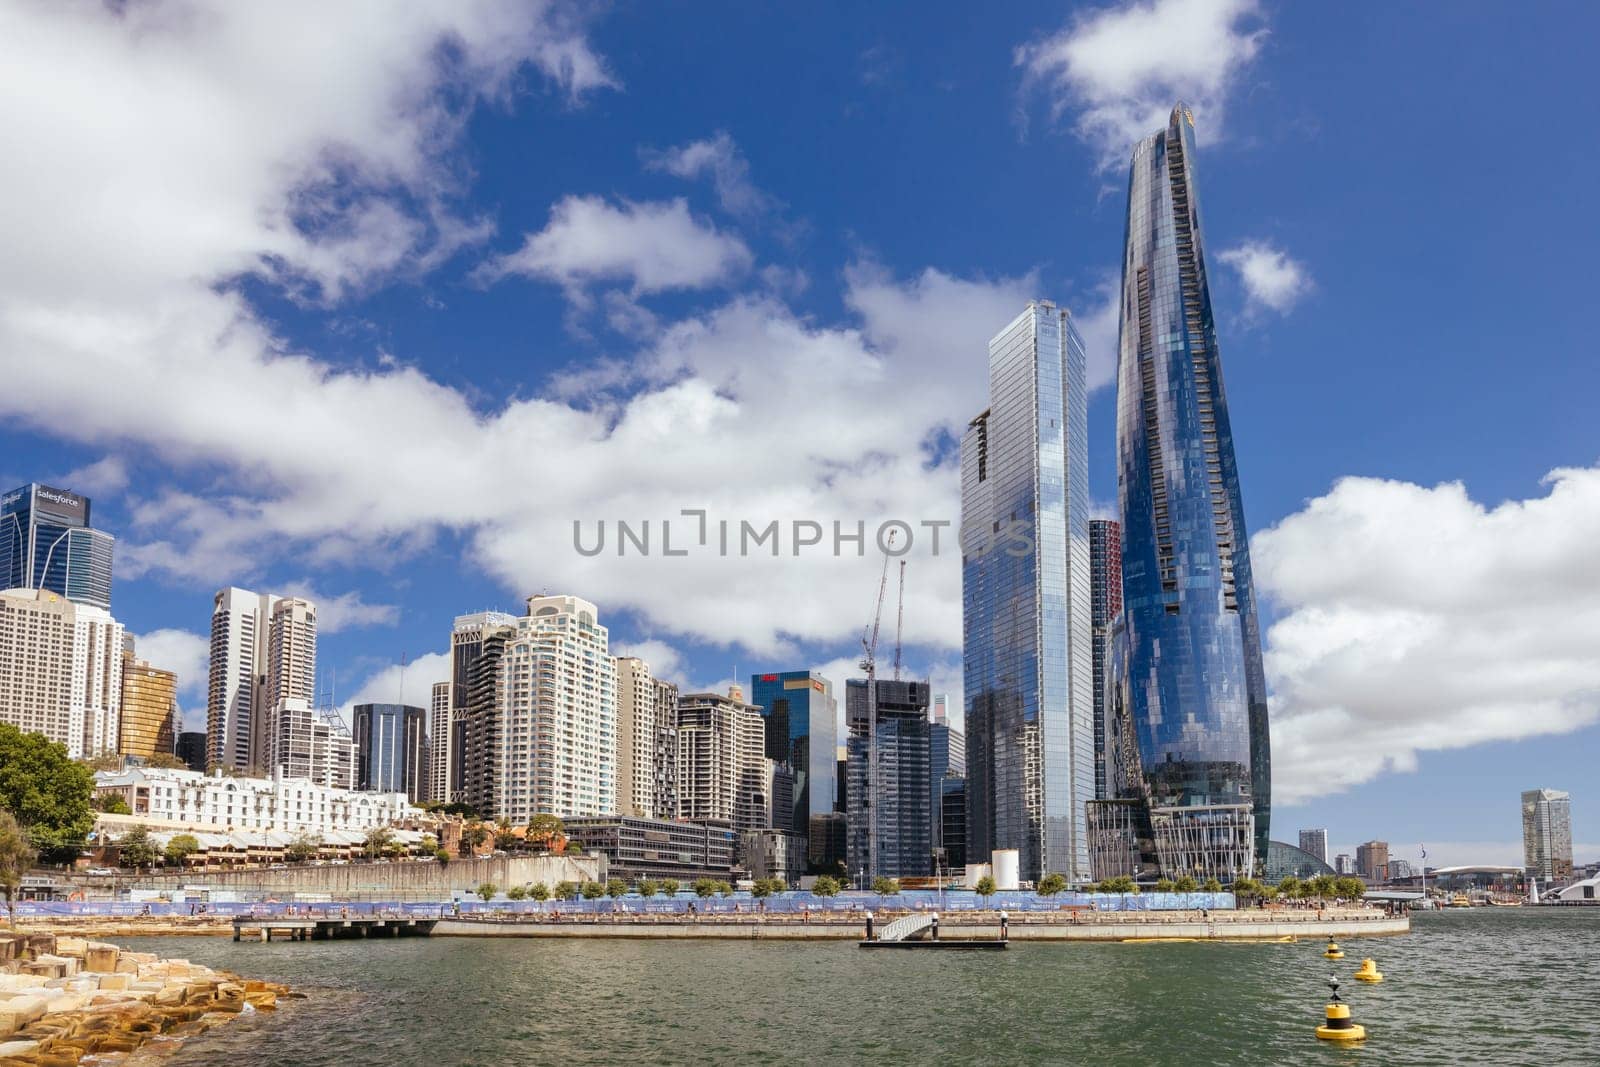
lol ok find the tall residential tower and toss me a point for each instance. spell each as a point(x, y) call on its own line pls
point(1194, 681)
point(1025, 589)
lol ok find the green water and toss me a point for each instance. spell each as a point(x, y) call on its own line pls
point(1483, 986)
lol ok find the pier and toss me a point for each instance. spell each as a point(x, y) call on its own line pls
point(328, 928)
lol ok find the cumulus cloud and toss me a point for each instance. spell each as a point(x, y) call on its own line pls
point(1416, 619)
point(663, 658)
point(1272, 280)
point(345, 611)
point(105, 475)
point(1121, 68)
point(186, 654)
point(395, 684)
point(652, 246)
point(719, 159)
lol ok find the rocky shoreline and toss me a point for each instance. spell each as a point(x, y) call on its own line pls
point(66, 1001)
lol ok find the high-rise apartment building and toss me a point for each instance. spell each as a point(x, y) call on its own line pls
point(440, 736)
point(723, 773)
point(801, 714)
point(1315, 842)
point(1547, 834)
point(61, 670)
point(636, 738)
point(1105, 599)
point(1343, 864)
point(1372, 860)
point(538, 733)
point(390, 749)
point(889, 821)
point(1193, 671)
point(947, 757)
point(1027, 644)
point(666, 750)
point(236, 700)
point(149, 709)
point(289, 725)
point(46, 542)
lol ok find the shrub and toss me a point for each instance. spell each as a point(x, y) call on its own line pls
point(985, 886)
point(616, 887)
point(566, 890)
point(646, 887)
point(885, 887)
point(1186, 884)
point(827, 886)
point(517, 892)
point(704, 887)
point(669, 886)
point(1211, 885)
point(539, 891)
point(487, 890)
point(1051, 884)
point(443, 856)
point(593, 890)
point(1165, 885)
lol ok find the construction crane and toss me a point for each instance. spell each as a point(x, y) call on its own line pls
point(869, 635)
point(899, 620)
point(869, 663)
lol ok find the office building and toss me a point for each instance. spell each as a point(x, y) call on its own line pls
point(825, 843)
point(723, 772)
point(61, 670)
point(1372, 861)
point(192, 749)
point(1547, 834)
point(773, 853)
point(638, 848)
point(1343, 864)
point(440, 735)
point(941, 709)
point(1316, 843)
point(168, 799)
point(312, 744)
point(1105, 600)
point(1027, 643)
point(149, 709)
point(1400, 870)
point(390, 749)
point(46, 542)
point(1192, 663)
point(889, 824)
point(952, 816)
point(947, 757)
point(665, 805)
point(800, 714)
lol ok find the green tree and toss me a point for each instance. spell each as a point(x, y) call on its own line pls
point(1211, 885)
point(1351, 888)
point(1246, 889)
point(1122, 883)
point(826, 886)
point(885, 887)
point(1051, 884)
point(304, 847)
point(540, 891)
point(765, 887)
point(669, 887)
point(616, 887)
point(574, 849)
point(1186, 884)
point(443, 856)
point(704, 887)
point(136, 848)
point(46, 792)
point(566, 890)
point(725, 889)
point(517, 892)
point(473, 836)
point(377, 841)
point(180, 847)
point(593, 890)
point(544, 828)
point(504, 839)
point(1164, 885)
point(1325, 886)
point(985, 887)
point(647, 887)
point(111, 804)
point(486, 891)
point(429, 844)
point(165, 761)
point(16, 856)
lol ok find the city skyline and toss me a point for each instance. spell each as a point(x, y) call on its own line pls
point(568, 305)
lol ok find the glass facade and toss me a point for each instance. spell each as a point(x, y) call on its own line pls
point(1105, 597)
point(1026, 613)
point(1547, 834)
point(947, 757)
point(46, 543)
point(800, 715)
point(390, 748)
point(1194, 680)
point(889, 824)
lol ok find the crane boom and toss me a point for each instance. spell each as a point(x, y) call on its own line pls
point(900, 620)
point(869, 636)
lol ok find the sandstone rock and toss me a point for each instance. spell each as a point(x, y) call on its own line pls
point(71, 946)
point(101, 959)
point(18, 1048)
point(115, 981)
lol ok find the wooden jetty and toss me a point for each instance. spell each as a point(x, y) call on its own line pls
point(328, 927)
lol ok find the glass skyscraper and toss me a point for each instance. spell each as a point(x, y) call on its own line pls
point(1194, 680)
point(889, 817)
point(46, 543)
point(1025, 588)
point(1105, 561)
point(801, 724)
point(390, 748)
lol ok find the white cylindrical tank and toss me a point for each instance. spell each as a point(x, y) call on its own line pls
point(975, 872)
point(1007, 865)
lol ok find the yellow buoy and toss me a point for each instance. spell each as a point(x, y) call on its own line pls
point(1339, 1026)
point(1368, 972)
point(1333, 952)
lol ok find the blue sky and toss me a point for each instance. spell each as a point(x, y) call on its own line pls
point(378, 321)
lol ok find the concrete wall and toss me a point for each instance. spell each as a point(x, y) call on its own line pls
point(406, 881)
point(789, 930)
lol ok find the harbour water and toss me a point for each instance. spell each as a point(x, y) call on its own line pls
point(1500, 986)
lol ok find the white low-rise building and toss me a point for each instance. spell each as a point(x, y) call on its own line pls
point(172, 799)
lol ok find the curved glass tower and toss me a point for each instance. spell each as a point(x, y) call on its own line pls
point(1194, 685)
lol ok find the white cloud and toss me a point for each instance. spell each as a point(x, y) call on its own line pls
point(105, 475)
point(188, 655)
point(411, 684)
point(719, 159)
point(1121, 68)
point(663, 659)
point(653, 246)
point(1417, 620)
point(345, 611)
point(1271, 279)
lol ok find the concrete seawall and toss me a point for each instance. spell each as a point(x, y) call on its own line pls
point(788, 930)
